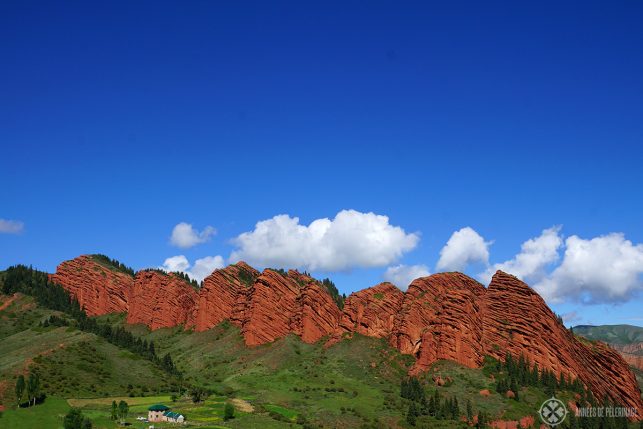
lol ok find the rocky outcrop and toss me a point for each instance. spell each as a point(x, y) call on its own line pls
point(441, 318)
point(161, 300)
point(271, 307)
point(372, 311)
point(631, 353)
point(99, 287)
point(316, 314)
point(223, 295)
point(517, 320)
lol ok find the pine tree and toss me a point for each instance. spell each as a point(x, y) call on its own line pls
point(573, 422)
point(411, 414)
point(114, 415)
point(123, 410)
point(481, 421)
point(228, 412)
point(535, 375)
point(404, 389)
point(501, 386)
point(424, 406)
point(20, 388)
point(469, 411)
point(455, 409)
point(432, 406)
point(514, 388)
point(73, 419)
point(33, 386)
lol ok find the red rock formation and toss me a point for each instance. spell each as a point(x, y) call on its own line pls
point(316, 314)
point(98, 287)
point(371, 311)
point(223, 296)
point(440, 318)
point(161, 300)
point(632, 353)
point(273, 300)
point(517, 320)
point(443, 316)
point(279, 303)
point(523, 423)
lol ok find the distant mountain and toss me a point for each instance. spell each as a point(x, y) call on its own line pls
point(611, 334)
point(627, 339)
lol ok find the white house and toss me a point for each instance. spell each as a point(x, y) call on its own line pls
point(171, 416)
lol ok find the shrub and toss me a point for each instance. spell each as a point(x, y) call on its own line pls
point(228, 412)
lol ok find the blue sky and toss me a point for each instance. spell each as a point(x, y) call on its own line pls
point(118, 121)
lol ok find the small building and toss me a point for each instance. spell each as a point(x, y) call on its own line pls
point(155, 413)
point(171, 416)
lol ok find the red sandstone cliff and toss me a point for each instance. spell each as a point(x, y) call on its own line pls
point(632, 353)
point(443, 316)
point(372, 311)
point(517, 320)
point(316, 315)
point(99, 288)
point(270, 307)
point(223, 295)
point(441, 319)
point(161, 300)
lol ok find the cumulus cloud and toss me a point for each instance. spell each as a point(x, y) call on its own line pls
point(176, 263)
point(202, 267)
point(185, 236)
point(535, 255)
point(464, 247)
point(205, 266)
point(603, 269)
point(402, 275)
point(11, 226)
point(571, 317)
point(352, 239)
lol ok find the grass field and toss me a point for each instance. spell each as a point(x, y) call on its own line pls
point(48, 415)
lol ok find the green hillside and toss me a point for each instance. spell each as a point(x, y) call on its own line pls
point(70, 362)
point(613, 334)
point(359, 383)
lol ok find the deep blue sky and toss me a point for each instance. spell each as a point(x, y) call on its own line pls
point(119, 120)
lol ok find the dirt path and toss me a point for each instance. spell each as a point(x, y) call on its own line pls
point(242, 405)
point(8, 302)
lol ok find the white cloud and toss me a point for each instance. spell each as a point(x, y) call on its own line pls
point(571, 317)
point(176, 263)
point(464, 247)
point(185, 236)
point(535, 255)
point(11, 226)
point(202, 267)
point(352, 239)
point(603, 269)
point(205, 266)
point(402, 275)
